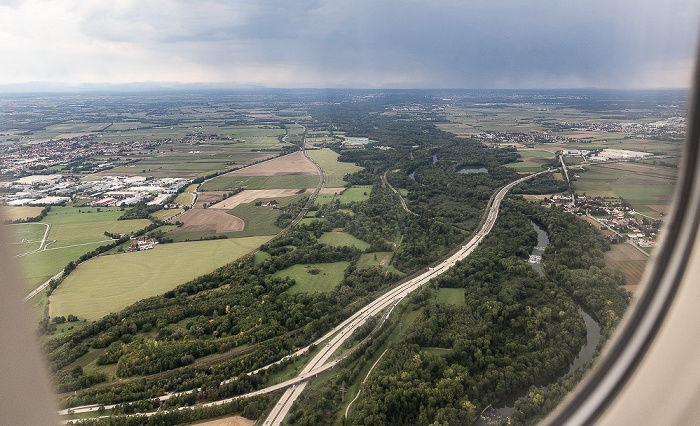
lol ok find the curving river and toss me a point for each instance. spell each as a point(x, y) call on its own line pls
point(504, 407)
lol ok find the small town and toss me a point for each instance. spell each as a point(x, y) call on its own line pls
point(613, 213)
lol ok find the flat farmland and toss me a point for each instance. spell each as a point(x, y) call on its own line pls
point(12, 213)
point(630, 261)
point(251, 195)
point(243, 220)
point(230, 183)
point(263, 135)
point(334, 170)
point(109, 283)
point(208, 198)
point(532, 160)
point(260, 220)
point(459, 129)
point(291, 171)
point(40, 266)
point(184, 198)
point(291, 164)
point(26, 236)
point(195, 220)
point(78, 233)
point(74, 232)
point(315, 277)
point(646, 188)
point(165, 215)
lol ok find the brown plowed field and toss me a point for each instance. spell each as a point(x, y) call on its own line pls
point(251, 195)
point(209, 220)
point(208, 197)
point(629, 260)
point(292, 164)
point(230, 421)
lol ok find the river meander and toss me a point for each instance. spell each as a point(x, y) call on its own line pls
point(503, 408)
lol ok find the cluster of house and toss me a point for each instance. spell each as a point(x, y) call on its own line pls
point(521, 139)
point(30, 154)
point(143, 244)
point(108, 191)
point(622, 219)
point(667, 128)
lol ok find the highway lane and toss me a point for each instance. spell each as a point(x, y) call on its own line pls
point(338, 335)
point(346, 329)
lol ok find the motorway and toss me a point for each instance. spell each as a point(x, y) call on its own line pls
point(393, 296)
point(338, 335)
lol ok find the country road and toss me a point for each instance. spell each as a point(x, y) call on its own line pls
point(338, 335)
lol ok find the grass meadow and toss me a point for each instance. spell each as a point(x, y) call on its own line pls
point(166, 214)
point(329, 275)
point(339, 239)
point(109, 283)
point(74, 232)
point(332, 168)
point(451, 296)
point(648, 194)
point(228, 183)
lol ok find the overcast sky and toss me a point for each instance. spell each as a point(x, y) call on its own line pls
point(352, 43)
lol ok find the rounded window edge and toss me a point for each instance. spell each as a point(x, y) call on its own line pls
point(622, 355)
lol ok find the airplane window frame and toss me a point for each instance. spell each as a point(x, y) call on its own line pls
point(622, 355)
point(641, 323)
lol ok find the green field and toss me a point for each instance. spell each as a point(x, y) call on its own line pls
point(532, 160)
point(166, 214)
point(329, 275)
point(228, 183)
point(109, 283)
point(356, 193)
point(380, 258)
point(649, 195)
point(72, 235)
point(263, 135)
point(40, 266)
point(260, 220)
point(332, 168)
point(26, 236)
point(451, 296)
point(185, 198)
point(339, 239)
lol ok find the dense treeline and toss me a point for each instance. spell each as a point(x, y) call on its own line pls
point(574, 260)
point(239, 304)
point(382, 222)
point(250, 408)
point(542, 184)
point(516, 328)
point(246, 315)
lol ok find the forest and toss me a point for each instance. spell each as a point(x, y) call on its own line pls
point(515, 329)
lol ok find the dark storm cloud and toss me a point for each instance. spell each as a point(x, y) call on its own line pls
point(375, 43)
